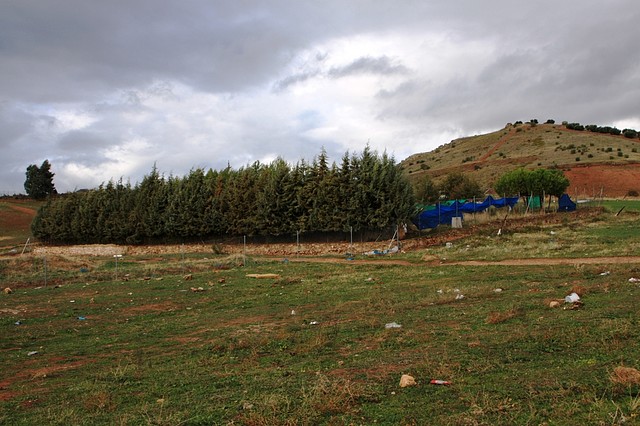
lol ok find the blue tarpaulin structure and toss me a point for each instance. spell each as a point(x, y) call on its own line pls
point(565, 204)
point(441, 214)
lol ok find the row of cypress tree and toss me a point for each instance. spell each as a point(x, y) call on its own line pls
point(366, 191)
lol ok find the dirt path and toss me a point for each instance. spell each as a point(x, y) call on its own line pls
point(548, 261)
point(500, 142)
point(25, 210)
point(507, 262)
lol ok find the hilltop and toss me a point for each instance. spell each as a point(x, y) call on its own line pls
point(594, 163)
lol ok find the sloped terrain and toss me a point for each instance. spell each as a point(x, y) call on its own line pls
point(595, 163)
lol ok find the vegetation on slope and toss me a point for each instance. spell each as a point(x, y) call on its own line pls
point(487, 157)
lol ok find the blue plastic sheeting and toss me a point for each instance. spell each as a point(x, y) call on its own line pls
point(565, 204)
point(442, 214)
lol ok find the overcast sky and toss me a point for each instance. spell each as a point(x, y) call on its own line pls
point(105, 89)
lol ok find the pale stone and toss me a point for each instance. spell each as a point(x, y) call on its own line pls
point(407, 380)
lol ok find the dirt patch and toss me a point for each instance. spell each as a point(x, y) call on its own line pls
point(145, 309)
point(58, 365)
point(610, 180)
point(26, 210)
point(81, 250)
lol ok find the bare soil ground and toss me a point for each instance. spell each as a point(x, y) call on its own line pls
point(612, 180)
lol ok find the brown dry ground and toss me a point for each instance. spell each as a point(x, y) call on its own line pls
point(613, 180)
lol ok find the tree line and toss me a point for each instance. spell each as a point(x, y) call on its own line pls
point(366, 191)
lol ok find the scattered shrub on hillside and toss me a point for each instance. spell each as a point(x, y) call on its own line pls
point(577, 158)
point(632, 193)
point(551, 121)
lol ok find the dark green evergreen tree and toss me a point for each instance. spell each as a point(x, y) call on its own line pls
point(39, 182)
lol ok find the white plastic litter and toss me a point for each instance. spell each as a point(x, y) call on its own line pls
point(573, 297)
point(392, 325)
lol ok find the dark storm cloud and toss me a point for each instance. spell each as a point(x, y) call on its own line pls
point(118, 85)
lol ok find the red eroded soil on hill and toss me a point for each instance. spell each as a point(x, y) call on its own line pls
point(608, 180)
point(18, 221)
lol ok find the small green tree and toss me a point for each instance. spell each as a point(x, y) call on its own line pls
point(532, 182)
point(457, 186)
point(39, 182)
point(425, 190)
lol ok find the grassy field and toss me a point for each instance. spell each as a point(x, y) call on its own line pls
point(175, 339)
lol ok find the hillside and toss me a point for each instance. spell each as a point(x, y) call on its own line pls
point(595, 163)
point(15, 220)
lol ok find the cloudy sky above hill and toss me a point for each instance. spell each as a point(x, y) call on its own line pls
point(105, 89)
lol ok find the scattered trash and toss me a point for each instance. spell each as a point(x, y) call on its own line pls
point(82, 318)
point(370, 279)
point(188, 277)
point(293, 312)
point(459, 296)
point(72, 301)
point(439, 291)
point(634, 280)
point(497, 290)
point(552, 232)
point(7, 290)
point(554, 304)
point(392, 325)
point(605, 273)
point(392, 250)
point(314, 323)
point(197, 289)
point(440, 382)
point(32, 353)
point(449, 245)
point(262, 276)
point(572, 298)
point(84, 270)
point(18, 323)
point(407, 380)
point(92, 300)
